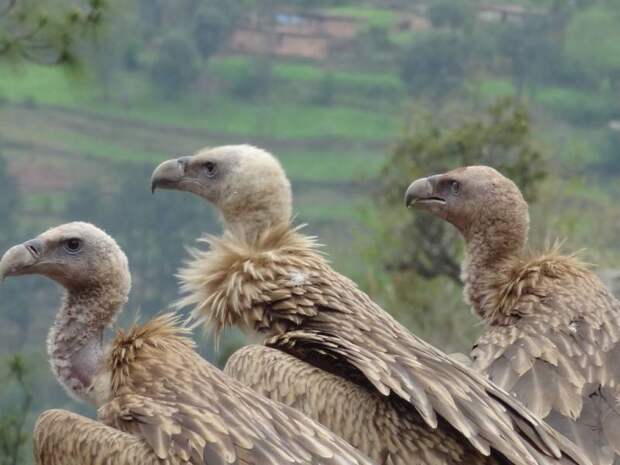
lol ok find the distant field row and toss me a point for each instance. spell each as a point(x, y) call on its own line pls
point(132, 98)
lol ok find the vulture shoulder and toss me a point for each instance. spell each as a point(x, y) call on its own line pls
point(387, 432)
point(187, 411)
point(553, 340)
point(281, 286)
point(65, 438)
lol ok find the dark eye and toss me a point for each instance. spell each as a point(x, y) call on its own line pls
point(210, 168)
point(73, 245)
point(455, 187)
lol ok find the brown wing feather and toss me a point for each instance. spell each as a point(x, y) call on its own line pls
point(395, 361)
point(561, 359)
point(281, 286)
point(188, 411)
point(65, 438)
point(364, 418)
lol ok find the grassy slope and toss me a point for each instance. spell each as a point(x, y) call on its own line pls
point(47, 111)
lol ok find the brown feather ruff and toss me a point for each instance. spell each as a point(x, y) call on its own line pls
point(234, 276)
point(163, 334)
point(282, 287)
point(521, 276)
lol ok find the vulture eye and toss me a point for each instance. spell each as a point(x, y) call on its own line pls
point(73, 245)
point(455, 187)
point(210, 168)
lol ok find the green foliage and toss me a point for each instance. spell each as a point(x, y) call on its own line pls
point(435, 64)
point(593, 43)
point(13, 435)
point(176, 65)
point(9, 202)
point(47, 32)
point(420, 251)
point(373, 16)
point(528, 49)
point(256, 82)
point(326, 90)
point(454, 15)
point(578, 106)
point(214, 24)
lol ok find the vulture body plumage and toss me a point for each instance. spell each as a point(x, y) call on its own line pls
point(265, 276)
point(552, 329)
point(158, 401)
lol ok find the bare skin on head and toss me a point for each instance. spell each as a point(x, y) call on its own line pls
point(246, 184)
point(332, 351)
point(553, 330)
point(158, 402)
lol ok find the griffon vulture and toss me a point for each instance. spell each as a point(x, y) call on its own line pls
point(264, 275)
point(158, 401)
point(552, 328)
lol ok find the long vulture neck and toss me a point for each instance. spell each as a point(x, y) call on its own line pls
point(75, 341)
point(489, 249)
point(250, 221)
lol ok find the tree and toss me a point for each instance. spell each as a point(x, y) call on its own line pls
point(454, 15)
point(420, 253)
point(593, 44)
point(46, 33)
point(9, 202)
point(435, 64)
point(529, 50)
point(214, 24)
point(176, 65)
point(13, 435)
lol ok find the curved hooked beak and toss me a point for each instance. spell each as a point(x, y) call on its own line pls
point(169, 174)
point(421, 193)
point(21, 259)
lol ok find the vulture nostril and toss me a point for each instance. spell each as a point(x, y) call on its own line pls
point(34, 247)
point(183, 162)
point(33, 250)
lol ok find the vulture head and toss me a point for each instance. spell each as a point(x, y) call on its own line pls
point(478, 200)
point(94, 272)
point(79, 256)
point(246, 184)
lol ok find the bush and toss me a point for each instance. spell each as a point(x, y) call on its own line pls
point(175, 66)
point(435, 64)
point(255, 82)
point(582, 108)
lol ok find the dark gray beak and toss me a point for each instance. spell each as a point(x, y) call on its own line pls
point(20, 259)
point(420, 189)
point(169, 174)
point(421, 194)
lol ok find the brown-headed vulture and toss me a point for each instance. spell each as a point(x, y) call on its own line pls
point(552, 328)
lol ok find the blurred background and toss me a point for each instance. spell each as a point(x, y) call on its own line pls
point(356, 98)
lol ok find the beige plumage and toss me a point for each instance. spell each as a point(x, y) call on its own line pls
point(264, 276)
point(158, 401)
point(552, 329)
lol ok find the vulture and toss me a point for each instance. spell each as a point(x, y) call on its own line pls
point(158, 402)
point(551, 327)
point(328, 349)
